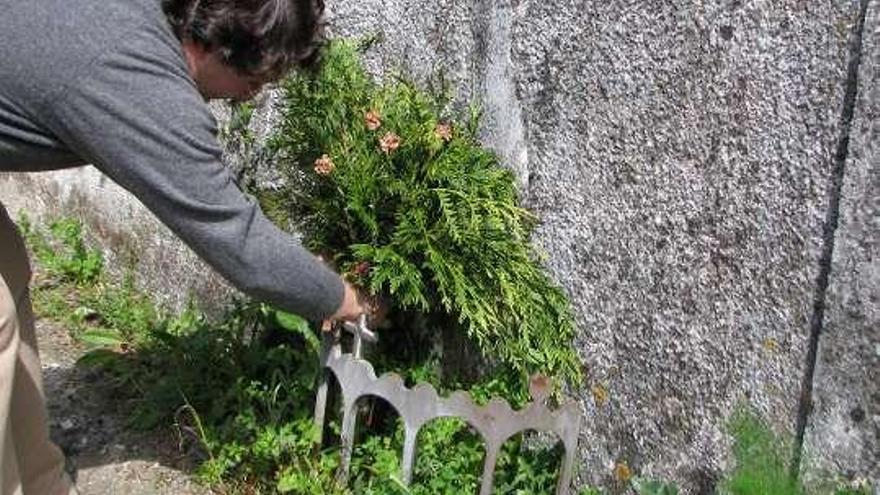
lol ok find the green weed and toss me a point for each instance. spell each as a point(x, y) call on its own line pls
point(762, 464)
point(62, 252)
point(761, 459)
point(72, 288)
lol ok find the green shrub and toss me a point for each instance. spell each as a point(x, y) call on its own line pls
point(412, 207)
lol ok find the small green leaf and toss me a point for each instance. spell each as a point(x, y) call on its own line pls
point(101, 338)
point(84, 313)
point(97, 358)
point(298, 324)
point(292, 322)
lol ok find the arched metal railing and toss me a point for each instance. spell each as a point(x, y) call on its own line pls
point(496, 422)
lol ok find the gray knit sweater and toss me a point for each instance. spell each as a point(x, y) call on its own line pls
point(105, 82)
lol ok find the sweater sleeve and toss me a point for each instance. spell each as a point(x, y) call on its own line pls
point(136, 115)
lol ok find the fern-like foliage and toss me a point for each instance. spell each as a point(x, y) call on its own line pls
point(432, 223)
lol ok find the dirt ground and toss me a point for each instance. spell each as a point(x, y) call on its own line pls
point(89, 425)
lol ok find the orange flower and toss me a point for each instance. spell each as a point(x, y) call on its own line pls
point(389, 142)
point(443, 131)
point(324, 166)
point(372, 120)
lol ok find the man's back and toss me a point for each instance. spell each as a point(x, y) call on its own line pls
point(48, 45)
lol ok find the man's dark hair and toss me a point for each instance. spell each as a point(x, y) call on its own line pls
point(256, 37)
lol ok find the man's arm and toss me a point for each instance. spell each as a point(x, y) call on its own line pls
point(136, 115)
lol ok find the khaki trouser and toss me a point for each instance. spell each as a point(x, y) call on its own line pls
point(30, 464)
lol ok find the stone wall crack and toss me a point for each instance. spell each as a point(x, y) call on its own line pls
point(829, 229)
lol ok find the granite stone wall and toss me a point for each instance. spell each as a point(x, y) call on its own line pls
point(685, 159)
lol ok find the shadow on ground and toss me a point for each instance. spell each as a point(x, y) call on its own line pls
point(89, 424)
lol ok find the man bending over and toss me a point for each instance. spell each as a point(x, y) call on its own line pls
point(122, 85)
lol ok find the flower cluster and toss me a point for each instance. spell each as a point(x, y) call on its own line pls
point(372, 120)
point(389, 142)
point(443, 131)
point(324, 166)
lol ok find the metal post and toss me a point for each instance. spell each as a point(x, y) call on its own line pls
point(328, 340)
point(349, 424)
point(489, 468)
point(409, 454)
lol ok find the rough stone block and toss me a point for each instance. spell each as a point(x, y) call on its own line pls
point(843, 435)
point(129, 235)
point(680, 155)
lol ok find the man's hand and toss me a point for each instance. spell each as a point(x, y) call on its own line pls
point(352, 305)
